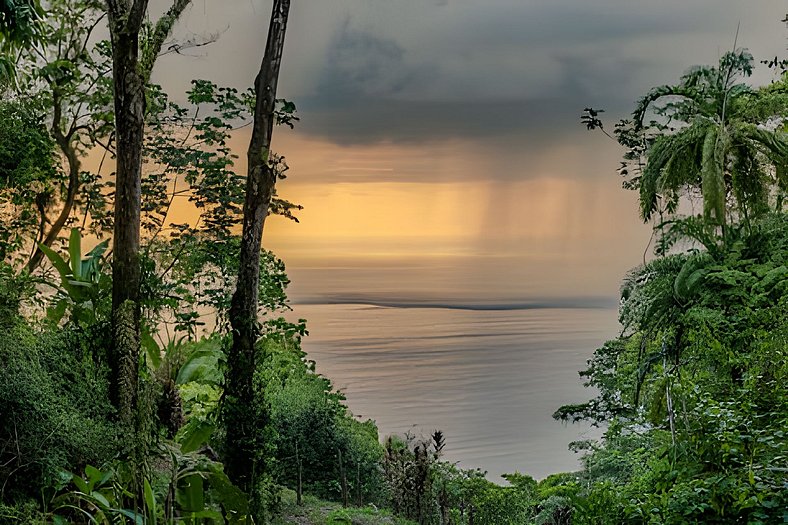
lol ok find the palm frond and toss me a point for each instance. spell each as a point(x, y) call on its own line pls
point(775, 143)
point(748, 178)
point(690, 95)
point(712, 175)
point(672, 163)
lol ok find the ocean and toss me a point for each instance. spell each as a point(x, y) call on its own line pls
point(488, 375)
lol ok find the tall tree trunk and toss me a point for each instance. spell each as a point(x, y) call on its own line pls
point(129, 126)
point(130, 76)
point(242, 457)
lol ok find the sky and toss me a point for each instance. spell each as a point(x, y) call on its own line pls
point(440, 153)
point(442, 165)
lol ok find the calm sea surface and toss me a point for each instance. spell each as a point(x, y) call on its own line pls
point(489, 379)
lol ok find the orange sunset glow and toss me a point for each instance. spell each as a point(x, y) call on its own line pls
point(393, 262)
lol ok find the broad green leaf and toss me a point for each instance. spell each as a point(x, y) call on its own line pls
point(80, 284)
point(233, 499)
point(57, 261)
point(190, 493)
point(150, 502)
point(152, 351)
point(81, 484)
point(98, 496)
point(94, 476)
point(135, 517)
point(90, 265)
point(195, 434)
point(202, 366)
point(105, 477)
point(75, 253)
point(98, 250)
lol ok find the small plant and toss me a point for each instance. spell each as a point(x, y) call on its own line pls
point(95, 498)
point(339, 517)
point(82, 282)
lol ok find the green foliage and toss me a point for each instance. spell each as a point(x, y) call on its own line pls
point(201, 489)
point(315, 511)
point(194, 371)
point(63, 102)
point(15, 290)
point(191, 146)
point(20, 25)
point(311, 425)
point(19, 21)
point(693, 392)
point(502, 505)
point(193, 489)
point(711, 137)
point(430, 491)
point(83, 288)
point(29, 174)
point(361, 516)
point(95, 498)
point(63, 94)
point(22, 512)
point(55, 409)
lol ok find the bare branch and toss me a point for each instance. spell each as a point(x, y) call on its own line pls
point(162, 30)
point(190, 43)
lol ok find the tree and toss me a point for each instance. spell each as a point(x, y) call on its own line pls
point(28, 169)
point(61, 86)
point(709, 136)
point(702, 138)
point(242, 462)
point(18, 21)
point(19, 25)
point(132, 62)
point(692, 391)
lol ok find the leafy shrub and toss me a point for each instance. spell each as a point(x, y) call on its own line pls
point(311, 427)
point(14, 290)
point(54, 410)
point(693, 392)
point(22, 512)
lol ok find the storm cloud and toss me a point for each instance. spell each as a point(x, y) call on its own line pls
point(502, 74)
point(502, 68)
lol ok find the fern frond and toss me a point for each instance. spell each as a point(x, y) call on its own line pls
point(688, 94)
point(712, 176)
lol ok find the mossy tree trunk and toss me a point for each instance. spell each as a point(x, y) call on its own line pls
point(244, 459)
point(132, 61)
point(125, 22)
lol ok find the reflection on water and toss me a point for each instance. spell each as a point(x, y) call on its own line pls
point(490, 379)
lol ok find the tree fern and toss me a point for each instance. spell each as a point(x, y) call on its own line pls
point(712, 176)
point(707, 135)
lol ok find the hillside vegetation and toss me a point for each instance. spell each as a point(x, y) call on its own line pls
point(146, 405)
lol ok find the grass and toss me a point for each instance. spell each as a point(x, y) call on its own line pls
point(320, 512)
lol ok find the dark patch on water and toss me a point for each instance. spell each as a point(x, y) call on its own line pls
point(591, 302)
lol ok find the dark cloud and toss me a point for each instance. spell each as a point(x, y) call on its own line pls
point(366, 71)
point(366, 120)
point(361, 65)
point(368, 93)
point(500, 70)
